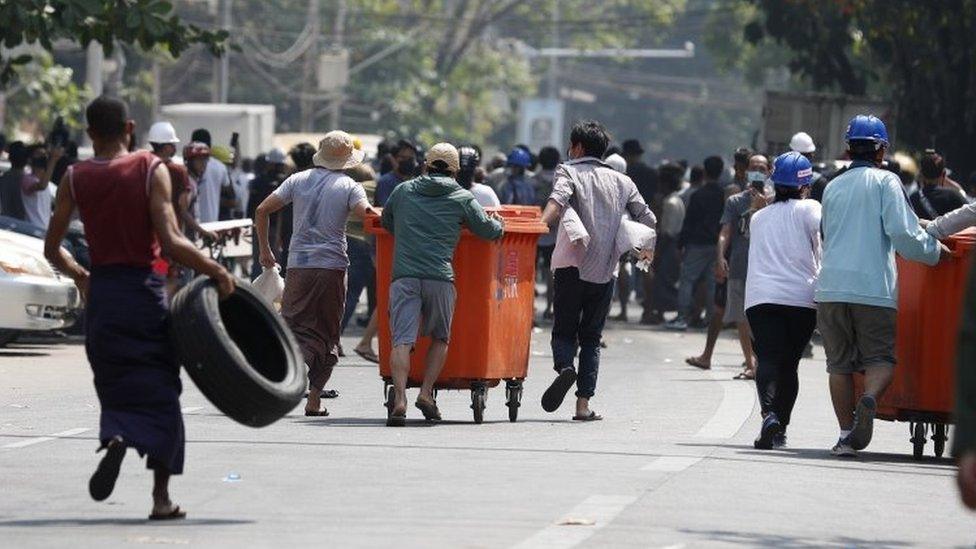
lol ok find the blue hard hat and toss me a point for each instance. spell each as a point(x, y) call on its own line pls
point(792, 169)
point(867, 127)
point(519, 157)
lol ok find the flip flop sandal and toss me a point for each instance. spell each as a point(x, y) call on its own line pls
point(745, 376)
point(554, 395)
point(593, 416)
point(430, 411)
point(327, 393)
point(694, 361)
point(103, 479)
point(368, 356)
point(396, 420)
point(175, 514)
point(317, 413)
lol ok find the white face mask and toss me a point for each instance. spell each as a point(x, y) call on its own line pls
point(755, 177)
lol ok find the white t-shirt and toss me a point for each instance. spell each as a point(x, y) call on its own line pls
point(784, 254)
point(214, 177)
point(485, 195)
point(37, 204)
point(322, 200)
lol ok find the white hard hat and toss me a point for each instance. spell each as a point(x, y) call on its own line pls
point(163, 132)
point(616, 162)
point(802, 143)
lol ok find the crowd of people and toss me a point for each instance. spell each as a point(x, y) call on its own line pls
point(776, 247)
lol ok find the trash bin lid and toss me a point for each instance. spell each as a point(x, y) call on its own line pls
point(518, 219)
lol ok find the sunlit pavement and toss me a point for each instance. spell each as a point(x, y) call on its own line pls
point(672, 465)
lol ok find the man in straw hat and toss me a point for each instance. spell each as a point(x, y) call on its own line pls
point(315, 284)
point(425, 216)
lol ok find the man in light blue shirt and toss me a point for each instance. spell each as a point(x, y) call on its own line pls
point(866, 220)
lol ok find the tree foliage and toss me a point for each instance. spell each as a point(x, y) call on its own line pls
point(146, 23)
point(919, 54)
point(44, 92)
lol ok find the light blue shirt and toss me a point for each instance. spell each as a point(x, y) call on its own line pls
point(866, 219)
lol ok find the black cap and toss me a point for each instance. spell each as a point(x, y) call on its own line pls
point(632, 147)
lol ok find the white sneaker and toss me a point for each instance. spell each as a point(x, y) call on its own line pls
point(843, 448)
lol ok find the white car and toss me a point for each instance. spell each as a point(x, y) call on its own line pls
point(33, 297)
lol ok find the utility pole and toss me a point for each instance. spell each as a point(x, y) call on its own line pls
point(554, 62)
point(309, 71)
point(222, 64)
point(338, 31)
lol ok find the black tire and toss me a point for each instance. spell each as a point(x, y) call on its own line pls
point(918, 440)
point(7, 337)
point(478, 404)
point(238, 351)
point(513, 398)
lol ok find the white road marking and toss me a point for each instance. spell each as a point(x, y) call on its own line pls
point(738, 399)
point(583, 521)
point(191, 409)
point(672, 464)
point(37, 440)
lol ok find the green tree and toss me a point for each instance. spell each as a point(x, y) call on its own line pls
point(145, 23)
point(918, 53)
point(42, 92)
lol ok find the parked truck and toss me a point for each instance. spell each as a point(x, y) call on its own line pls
point(254, 123)
point(822, 115)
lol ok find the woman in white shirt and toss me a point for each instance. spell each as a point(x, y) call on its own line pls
point(784, 261)
point(467, 177)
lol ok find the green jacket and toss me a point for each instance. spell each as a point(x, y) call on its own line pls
point(425, 216)
point(964, 440)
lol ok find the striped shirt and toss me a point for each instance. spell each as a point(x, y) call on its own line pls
point(601, 196)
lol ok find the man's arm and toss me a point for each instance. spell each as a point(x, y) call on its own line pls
point(262, 216)
point(953, 222)
point(562, 192)
point(174, 244)
point(483, 226)
point(722, 264)
point(183, 207)
point(902, 227)
point(60, 259)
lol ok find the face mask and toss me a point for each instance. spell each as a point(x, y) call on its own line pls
point(755, 177)
point(407, 166)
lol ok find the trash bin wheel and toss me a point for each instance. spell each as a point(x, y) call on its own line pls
point(388, 390)
point(478, 394)
point(939, 438)
point(513, 399)
point(918, 439)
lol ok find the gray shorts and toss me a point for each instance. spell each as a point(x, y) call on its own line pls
point(857, 336)
point(735, 301)
point(413, 299)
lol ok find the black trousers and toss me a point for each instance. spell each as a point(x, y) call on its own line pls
point(579, 311)
point(780, 334)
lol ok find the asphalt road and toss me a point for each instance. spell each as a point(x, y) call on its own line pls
point(671, 466)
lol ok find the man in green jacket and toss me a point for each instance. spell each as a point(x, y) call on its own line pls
point(425, 216)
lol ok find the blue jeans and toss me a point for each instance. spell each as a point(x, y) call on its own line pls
point(579, 311)
point(362, 276)
point(697, 265)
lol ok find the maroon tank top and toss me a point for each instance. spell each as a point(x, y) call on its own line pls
point(112, 197)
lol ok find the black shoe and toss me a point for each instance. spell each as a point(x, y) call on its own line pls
point(552, 399)
point(103, 480)
point(864, 414)
point(779, 441)
point(771, 428)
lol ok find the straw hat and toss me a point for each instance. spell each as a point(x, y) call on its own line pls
point(337, 151)
point(446, 153)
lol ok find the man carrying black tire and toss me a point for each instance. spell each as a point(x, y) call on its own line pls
point(124, 201)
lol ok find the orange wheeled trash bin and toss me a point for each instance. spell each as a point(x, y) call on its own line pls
point(492, 327)
point(930, 301)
